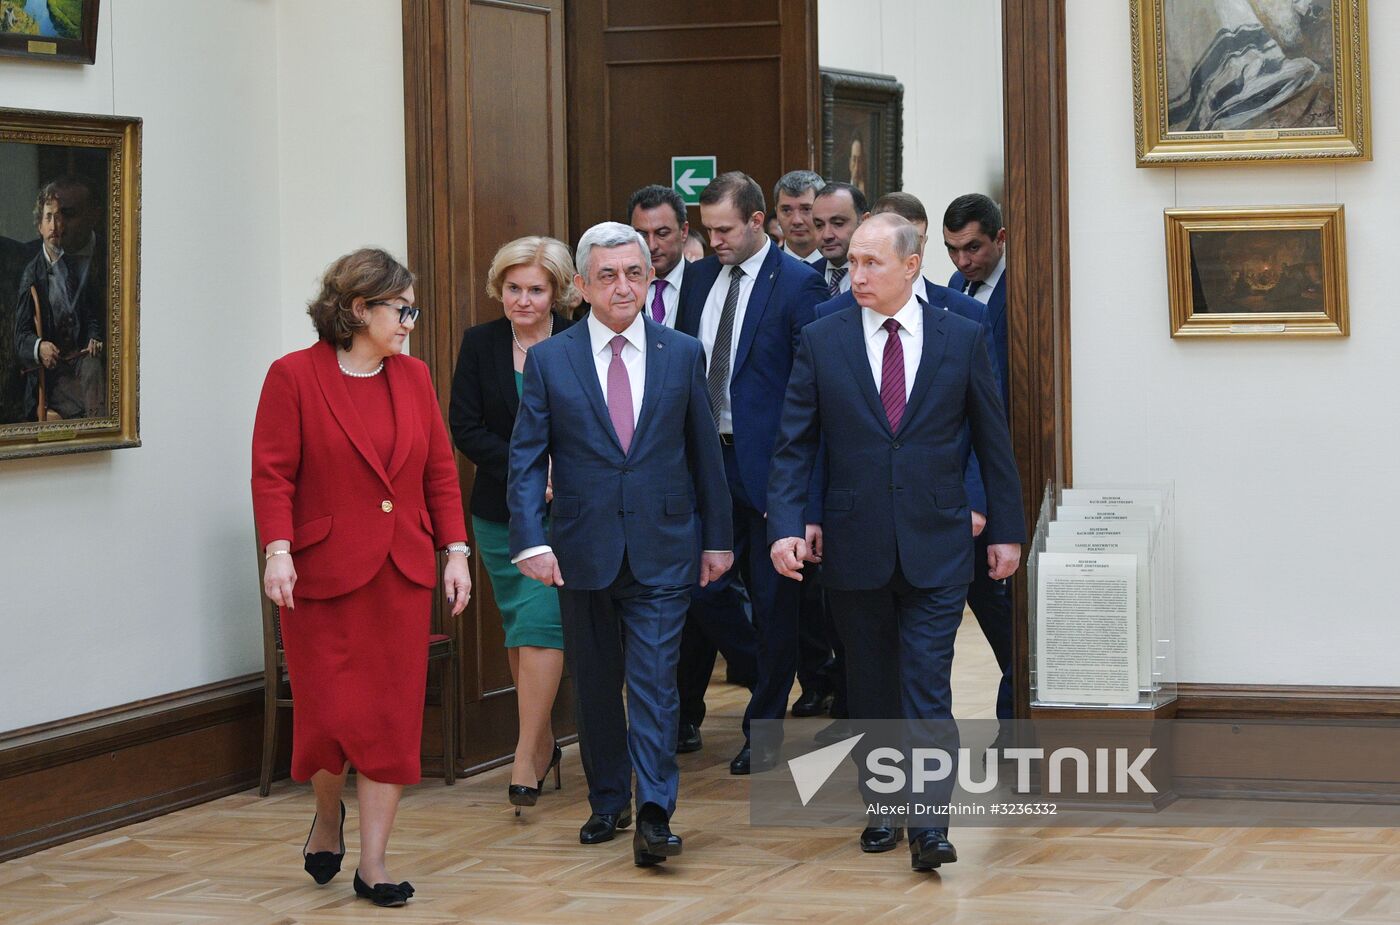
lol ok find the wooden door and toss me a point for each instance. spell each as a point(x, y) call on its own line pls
point(648, 81)
point(484, 113)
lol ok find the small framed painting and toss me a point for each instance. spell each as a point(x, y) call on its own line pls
point(52, 30)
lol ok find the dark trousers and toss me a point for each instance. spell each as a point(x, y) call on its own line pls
point(990, 602)
point(626, 633)
point(773, 601)
point(913, 630)
point(710, 630)
point(816, 661)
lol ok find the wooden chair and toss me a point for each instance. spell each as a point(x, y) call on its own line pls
point(440, 648)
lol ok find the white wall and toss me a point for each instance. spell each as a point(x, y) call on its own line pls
point(273, 141)
point(1283, 451)
point(952, 103)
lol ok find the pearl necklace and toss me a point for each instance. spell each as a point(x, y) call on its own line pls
point(369, 375)
point(519, 346)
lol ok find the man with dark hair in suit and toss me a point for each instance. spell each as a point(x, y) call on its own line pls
point(658, 214)
point(640, 515)
point(59, 309)
point(793, 196)
point(890, 386)
point(749, 304)
point(836, 214)
point(976, 241)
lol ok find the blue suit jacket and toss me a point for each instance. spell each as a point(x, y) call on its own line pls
point(969, 308)
point(996, 318)
point(656, 504)
point(781, 303)
point(894, 496)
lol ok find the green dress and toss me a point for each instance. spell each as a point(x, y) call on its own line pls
point(529, 610)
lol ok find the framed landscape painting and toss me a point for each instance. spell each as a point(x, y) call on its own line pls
point(70, 216)
point(1257, 271)
point(1250, 80)
point(56, 30)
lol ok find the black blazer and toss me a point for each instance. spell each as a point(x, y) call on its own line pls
point(483, 408)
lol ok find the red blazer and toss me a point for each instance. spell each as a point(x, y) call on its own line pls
point(318, 481)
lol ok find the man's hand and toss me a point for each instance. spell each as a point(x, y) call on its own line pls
point(1003, 559)
point(48, 354)
point(713, 565)
point(788, 554)
point(979, 523)
point(457, 583)
point(814, 542)
point(93, 348)
point(544, 568)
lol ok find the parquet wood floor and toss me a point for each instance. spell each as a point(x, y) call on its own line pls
point(236, 861)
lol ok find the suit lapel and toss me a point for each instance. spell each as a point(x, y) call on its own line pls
point(657, 361)
point(405, 413)
point(332, 382)
point(759, 297)
point(699, 278)
point(935, 344)
point(996, 305)
point(853, 346)
point(580, 352)
point(503, 357)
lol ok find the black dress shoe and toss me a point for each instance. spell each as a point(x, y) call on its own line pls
point(688, 739)
point(384, 894)
point(602, 827)
point(813, 702)
point(930, 849)
point(653, 842)
point(880, 836)
point(324, 865)
point(836, 731)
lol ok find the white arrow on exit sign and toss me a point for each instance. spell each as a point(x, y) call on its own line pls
point(688, 182)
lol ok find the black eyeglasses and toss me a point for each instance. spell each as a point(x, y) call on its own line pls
point(407, 313)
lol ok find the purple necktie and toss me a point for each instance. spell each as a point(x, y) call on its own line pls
point(658, 307)
point(892, 375)
point(620, 395)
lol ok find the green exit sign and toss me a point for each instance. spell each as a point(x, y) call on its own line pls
point(690, 175)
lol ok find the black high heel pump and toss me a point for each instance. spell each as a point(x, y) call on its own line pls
point(554, 760)
point(324, 865)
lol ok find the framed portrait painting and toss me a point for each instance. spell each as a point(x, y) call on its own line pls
point(1250, 80)
point(53, 30)
point(70, 216)
point(863, 131)
point(1260, 271)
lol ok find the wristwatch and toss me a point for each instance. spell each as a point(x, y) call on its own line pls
point(463, 548)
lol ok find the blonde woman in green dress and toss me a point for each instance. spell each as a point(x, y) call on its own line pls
point(532, 278)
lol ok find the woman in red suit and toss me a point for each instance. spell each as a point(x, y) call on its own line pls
point(354, 488)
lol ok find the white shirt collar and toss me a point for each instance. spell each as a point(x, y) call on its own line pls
point(673, 279)
point(994, 277)
point(599, 334)
point(910, 318)
point(813, 257)
point(752, 265)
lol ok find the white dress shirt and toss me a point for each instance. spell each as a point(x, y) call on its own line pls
point(911, 338)
point(714, 308)
point(670, 296)
point(634, 357)
point(845, 279)
point(810, 259)
point(984, 291)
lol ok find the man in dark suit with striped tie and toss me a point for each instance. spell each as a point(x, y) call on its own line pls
point(889, 386)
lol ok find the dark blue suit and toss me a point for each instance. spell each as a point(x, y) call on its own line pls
point(898, 550)
point(628, 530)
point(991, 600)
point(780, 304)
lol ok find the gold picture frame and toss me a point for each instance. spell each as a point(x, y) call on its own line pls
point(1261, 81)
point(70, 249)
point(1267, 271)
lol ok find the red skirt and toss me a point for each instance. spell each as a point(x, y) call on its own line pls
point(358, 666)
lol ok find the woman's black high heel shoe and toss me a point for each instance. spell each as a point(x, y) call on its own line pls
point(554, 760)
point(522, 795)
point(384, 894)
point(324, 865)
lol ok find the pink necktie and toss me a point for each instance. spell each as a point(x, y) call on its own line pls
point(620, 395)
point(658, 307)
point(892, 375)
